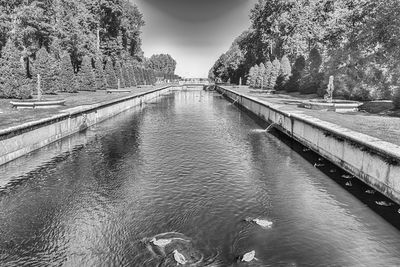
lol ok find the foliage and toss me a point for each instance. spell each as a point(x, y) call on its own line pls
point(101, 82)
point(110, 75)
point(86, 75)
point(67, 75)
point(297, 72)
point(13, 79)
point(163, 63)
point(276, 66)
point(118, 73)
point(396, 98)
point(284, 73)
point(357, 43)
point(125, 76)
point(49, 69)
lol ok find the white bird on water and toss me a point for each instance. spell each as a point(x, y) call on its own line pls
point(249, 256)
point(160, 242)
point(179, 258)
point(261, 222)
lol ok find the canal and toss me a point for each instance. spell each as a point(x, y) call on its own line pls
point(191, 169)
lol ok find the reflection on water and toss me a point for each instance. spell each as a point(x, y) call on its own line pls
point(192, 165)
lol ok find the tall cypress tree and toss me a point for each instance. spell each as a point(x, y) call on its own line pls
point(297, 72)
point(49, 69)
point(13, 79)
point(67, 75)
point(284, 73)
point(118, 72)
point(110, 75)
point(276, 66)
point(125, 76)
point(101, 83)
point(86, 75)
point(131, 71)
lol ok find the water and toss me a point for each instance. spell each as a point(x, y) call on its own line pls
point(194, 165)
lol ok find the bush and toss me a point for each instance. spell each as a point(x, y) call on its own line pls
point(101, 82)
point(310, 82)
point(110, 75)
point(260, 82)
point(13, 80)
point(86, 76)
point(67, 75)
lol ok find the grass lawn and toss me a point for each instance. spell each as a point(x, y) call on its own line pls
point(11, 117)
point(376, 118)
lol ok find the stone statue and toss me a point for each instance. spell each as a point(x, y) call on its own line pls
point(329, 96)
point(240, 81)
point(39, 88)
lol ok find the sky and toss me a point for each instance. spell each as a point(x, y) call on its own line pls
point(194, 32)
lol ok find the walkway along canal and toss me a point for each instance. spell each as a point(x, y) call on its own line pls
point(195, 165)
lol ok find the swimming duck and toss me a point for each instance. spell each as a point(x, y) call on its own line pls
point(248, 257)
point(306, 149)
point(347, 176)
point(384, 203)
point(370, 191)
point(349, 184)
point(179, 258)
point(261, 222)
point(332, 170)
point(160, 242)
point(318, 165)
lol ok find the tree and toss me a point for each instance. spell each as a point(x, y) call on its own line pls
point(13, 79)
point(276, 65)
point(284, 73)
point(162, 62)
point(251, 77)
point(297, 72)
point(267, 74)
point(67, 75)
point(125, 76)
point(110, 75)
point(49, 70)
point(261, 73)
point(118, 73)
point(312, 78)
point(86, 76)
point(101, 82)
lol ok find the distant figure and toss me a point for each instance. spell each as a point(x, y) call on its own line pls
point(260, 222)
point(179, 258)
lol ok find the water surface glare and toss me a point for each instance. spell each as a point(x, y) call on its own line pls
point(193, 165)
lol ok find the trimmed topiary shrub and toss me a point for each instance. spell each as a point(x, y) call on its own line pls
point(125, 76)
point(396, 98)
point(260, 82)
point(86, 76)
point(276, 66)
point(13, 79)
point(297, 72)
point(110, 75)
point(67, 75)
point(131, 72)
point(284, 73)
point(118, 73)
point(250, 77)
point(101, 82)
point(49, 69)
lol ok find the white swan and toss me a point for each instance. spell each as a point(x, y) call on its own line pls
point(249, 256)
point(179, 258)
point(160, 242)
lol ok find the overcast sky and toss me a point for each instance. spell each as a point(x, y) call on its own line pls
point(194, 32)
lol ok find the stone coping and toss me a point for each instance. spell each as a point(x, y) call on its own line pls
point(376, 144)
